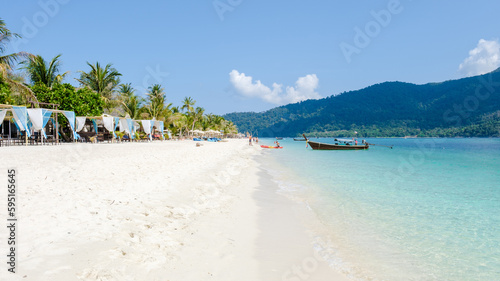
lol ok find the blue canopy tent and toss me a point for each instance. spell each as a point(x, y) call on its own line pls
point(20, 115)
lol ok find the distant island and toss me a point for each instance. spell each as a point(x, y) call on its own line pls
point(467, 107)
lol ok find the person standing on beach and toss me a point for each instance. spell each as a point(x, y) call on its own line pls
point(250, 140)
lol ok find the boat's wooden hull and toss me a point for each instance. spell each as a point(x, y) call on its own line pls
point(326, 146)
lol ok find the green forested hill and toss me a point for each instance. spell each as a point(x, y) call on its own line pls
point(464, 107)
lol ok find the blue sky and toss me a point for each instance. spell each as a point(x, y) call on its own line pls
point(242, 55)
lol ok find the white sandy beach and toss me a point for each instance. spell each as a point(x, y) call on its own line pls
point(152, 211)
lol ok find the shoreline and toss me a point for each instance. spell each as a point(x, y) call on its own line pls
point(112, 212)
point(287, 250)
point(154, 211)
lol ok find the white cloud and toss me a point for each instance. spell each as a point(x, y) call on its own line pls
point(482, 59)
point(305, 88)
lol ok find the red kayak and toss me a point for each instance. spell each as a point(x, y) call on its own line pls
point(267, 146)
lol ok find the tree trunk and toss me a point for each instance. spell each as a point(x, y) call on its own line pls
point(64, 136)
point(192, 128)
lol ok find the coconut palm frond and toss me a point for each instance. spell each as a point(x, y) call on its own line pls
point(130, 103)
point(41, 71)
point(126, 90)
point(25, 92)
point(188, 104)
point(60, 77)
point(101, 80)
point(7, 62)
point(155, 106)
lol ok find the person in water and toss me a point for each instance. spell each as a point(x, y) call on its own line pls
point(277, 144)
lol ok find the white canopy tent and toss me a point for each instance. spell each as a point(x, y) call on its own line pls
point(35, 119)
point(80, 123)
point(28, 119)
point(148, 127)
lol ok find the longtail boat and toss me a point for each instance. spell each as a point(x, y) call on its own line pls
point(340, 144)
point(299, 139)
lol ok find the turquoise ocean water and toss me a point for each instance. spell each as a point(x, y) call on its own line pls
point(429, 209)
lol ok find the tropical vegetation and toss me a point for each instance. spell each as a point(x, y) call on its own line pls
point(41, 71)
point(467, 107)
point(103, 81)
point(13, 89)
point(100, 91)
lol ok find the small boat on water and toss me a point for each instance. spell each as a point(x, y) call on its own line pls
point(340, 144)
point(299, 139)
point(267, 146)
point(279, 138)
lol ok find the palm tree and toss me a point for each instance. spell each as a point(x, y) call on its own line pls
point(180, 122)
point(205, 122)
point(130, 103)
point(40, 71)
point(188, 104)
point(175, 109)
point(197, 115)
point(217, 122)
point(232, 128)
point(7, 63)
point(156, 107)
point(126, 90)
point(101, 80)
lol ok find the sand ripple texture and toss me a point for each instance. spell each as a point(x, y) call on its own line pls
point(115, 211)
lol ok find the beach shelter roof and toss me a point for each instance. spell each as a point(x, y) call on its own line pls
point(159, 125)
point(147, 125)
point(27, 119)
point(2, 116)
point(109, 122)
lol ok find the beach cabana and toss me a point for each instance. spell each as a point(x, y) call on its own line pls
point(36, 119)
point(159, 125)
point(108, 122)
point(148, 125)
point(20, 116)
point(70, 115)
point(80, 123)
point(127, 126)
point(4, 109)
